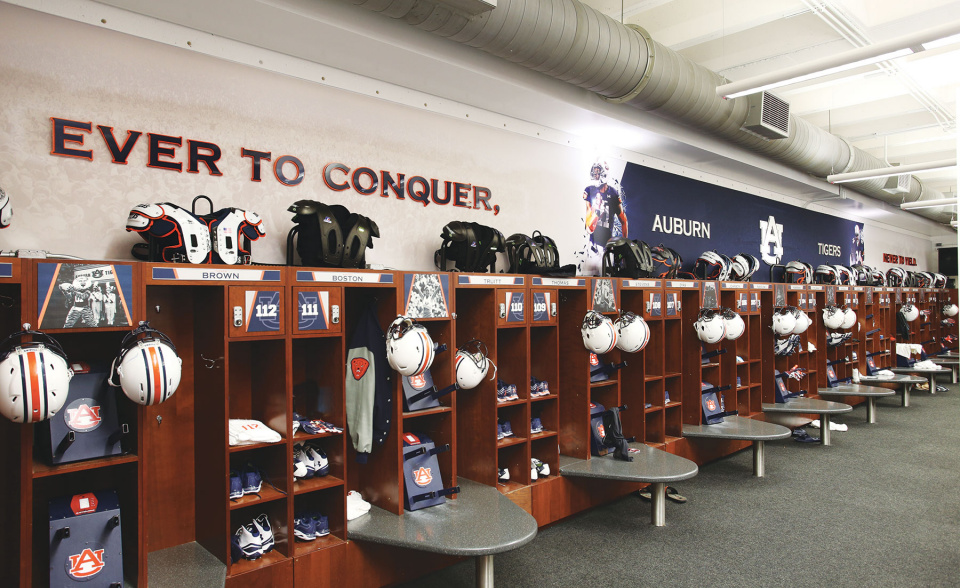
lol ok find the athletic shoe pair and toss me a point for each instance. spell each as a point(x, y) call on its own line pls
point(309, 460)
point(356, 505)
point(535, 425)
point(504, 430)
point(253, 539)
point(538, 469)
point(538, 388)
point(313, 426)
point(503, 475)
point(506, 392)
point(308, 526)
point(248, 480)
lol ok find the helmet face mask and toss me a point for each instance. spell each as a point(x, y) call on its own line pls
point(410, 349)
point(34, 377)
point(599, 334)
point(147, 367)
point(910, 312)
point(832, 317)
point(784, 321)
point(472, 364)
point(633, 333)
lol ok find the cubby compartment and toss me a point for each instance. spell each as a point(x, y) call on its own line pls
point(544, 359)
point(512, 348)
point(318, 377)
point(515, 459)
point(257, 380)
point(546, 411)
point(327, 502)
point(271, 463)
point(276, 513)
point(332, 447)
point(518, 417)
point(654, 427)
point(119, 477)
point(547, 451)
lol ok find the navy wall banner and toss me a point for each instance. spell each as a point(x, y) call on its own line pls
point(691, 217)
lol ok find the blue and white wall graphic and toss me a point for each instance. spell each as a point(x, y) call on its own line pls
point(691, 217)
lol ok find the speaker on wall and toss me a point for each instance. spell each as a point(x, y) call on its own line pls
point(947, 261)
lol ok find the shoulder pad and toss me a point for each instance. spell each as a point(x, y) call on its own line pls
point(304, 207)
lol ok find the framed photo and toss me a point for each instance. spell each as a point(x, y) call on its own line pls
point(84, 295)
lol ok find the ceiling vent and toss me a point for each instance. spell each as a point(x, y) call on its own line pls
point(768, 116)
point(469, 7)
point(898, 184)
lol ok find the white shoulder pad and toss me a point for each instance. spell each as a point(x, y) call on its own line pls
point(6, 210)
point(196, 236)
point(254, 220)
point(225, 241)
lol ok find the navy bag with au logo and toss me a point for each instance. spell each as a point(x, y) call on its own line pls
point(710, 401)
point(421, 473)
point(780, 390)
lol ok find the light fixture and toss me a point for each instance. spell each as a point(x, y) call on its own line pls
point(859, 57)
point(893, 170)
point(929, 203)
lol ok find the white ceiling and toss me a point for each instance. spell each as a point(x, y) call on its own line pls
point(903, 110)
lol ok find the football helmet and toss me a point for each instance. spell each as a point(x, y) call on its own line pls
point(733, 323)
point(34, 377)
point(410, 349)
point(849, 318)
point(633, 333)
point(599, 334)
point(896, 276)
point(666, 262)
point(710, 326)
point(826, 274)
point(6, 210)
point(743, 266)
point(802, 320)
point(712, 266)
point(878, 277)
point(148, 368)
point(832, 316)
point(924, 280)
point(472, 364)
point(845, 275)
point(784, 321)
point(910, 312)
point(939, 281)
point(950, 309)
point(798, 272)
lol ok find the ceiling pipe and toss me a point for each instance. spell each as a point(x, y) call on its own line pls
point(570, 41)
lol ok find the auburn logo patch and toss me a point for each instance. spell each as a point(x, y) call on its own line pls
point(83, 417)
point(418, 381)
point(86, 564)
point(358, 366)
point(422, 477)
point(711, 405)
point(601, 431)
point(594, 360)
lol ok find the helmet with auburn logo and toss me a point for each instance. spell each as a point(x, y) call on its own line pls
point(34, 377)
point(410, 349)
point(148, 367)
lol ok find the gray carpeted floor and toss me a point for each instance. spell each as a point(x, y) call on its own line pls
point(879, 507)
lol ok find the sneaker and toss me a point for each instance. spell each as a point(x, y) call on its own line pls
point(304, 528)
point(544, 388)
point(666, 397)
point(509, 391)
point(319, 458)
point(248, 538)
point(503, 475)
point(356, 505)
point(236, 486)
point(251, 479)
point(534, 387)
point(533, 472)
point(542, 469)
point(535, 425)
point(262, 525)
point(507, 429)
point(322, 524)
point(500, 434)
point(310, 427)
point(299, 466)
point(300, 451)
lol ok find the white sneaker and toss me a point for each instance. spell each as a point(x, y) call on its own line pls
point(815, 424)
point(356, 505)
point(856, 376)
point(838, 427)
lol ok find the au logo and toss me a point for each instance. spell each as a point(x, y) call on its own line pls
point(594, 360)
point(86, 564)
point(422, 477)
point(83, 416)
point(601, 431)
point(771, 241)
point(418, 381)
point(711, 405)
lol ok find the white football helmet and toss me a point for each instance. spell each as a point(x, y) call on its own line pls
point(910, 312)
point(148, 367)
point(599, 334)
point(633, 333)
point(950, 309)
point(410, 349)
point(710, 326)
point(733, 323)
point(849, 318)
point(801, 319)
point(6, 210)
point(832, 316)
point(34, 377)
point(784, 321)
point(472, 364)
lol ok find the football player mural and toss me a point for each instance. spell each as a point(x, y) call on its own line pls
point(605, 217)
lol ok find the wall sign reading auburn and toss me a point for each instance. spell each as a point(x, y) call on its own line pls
point(68, 136)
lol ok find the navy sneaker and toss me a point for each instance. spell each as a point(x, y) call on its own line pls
point(315, 453)
point(251, 479)
point(262, 525)
point(507, 429)
point(322, 524)
point(304, 528)
point(499, 431)
point(236, 486)
point(507, 391)
point(535, 425)
point(248, 539)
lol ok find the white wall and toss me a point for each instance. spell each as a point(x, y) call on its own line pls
point(53, 67)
